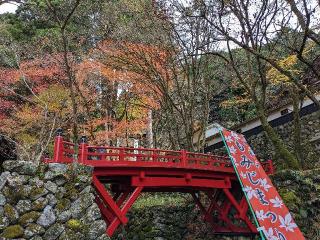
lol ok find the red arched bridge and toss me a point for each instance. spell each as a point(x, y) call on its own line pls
point(121, 174)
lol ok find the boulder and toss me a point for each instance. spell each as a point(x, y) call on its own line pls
point(23, 206)
point(33, 230)
point(4, 222)
point(96, 229)
point(36, 182)
point(54, 232)
point(29, 217)
point(51, 187)
point(21, 167)
point(13, 231)
point(78, 207)
point(40, 204)
point(16, 179)
point(3, 200)
point(36, 238)
point(37, 192)
point(3, 179)
point(56, 170)
point(71, 235)
point(11, 213)
point(47, 217)
point(92, 213)
point(64, 216)
point(52, 200)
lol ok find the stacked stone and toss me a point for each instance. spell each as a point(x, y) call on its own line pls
point(168, 222)
point(310, 132)
point(300, 191)
point(310, 129)
point(50, 201)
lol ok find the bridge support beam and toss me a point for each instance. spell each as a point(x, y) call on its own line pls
point(222, 207)
point(179, 182)
point(114, 209)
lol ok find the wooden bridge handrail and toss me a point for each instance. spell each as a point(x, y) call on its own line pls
point(90, 155)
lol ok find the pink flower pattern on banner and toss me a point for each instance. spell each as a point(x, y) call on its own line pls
point(273, 216)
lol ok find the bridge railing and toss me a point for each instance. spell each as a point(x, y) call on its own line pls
point(65, 152)
point(105, 155)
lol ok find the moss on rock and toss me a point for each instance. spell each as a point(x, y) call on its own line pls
point(11, 213)
point(39, 204)
point(37, 192)
point(13, 231)
point(291, 200)
point(14, 194)
point(63, 204)
point(71, 235)
point(29, 217)
point(71, 191)
point(74, 224)
point(60, 207)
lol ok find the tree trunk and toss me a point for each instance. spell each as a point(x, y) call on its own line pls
point(280, 148)
point(71, 88)
point(297, 126)
point(150, 130)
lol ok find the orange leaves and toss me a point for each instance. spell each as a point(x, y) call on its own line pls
point(115, 75)
point(144, 66)
point(31, 77)
point(113, 87)
point(134, 56)
point(5, 107)
point(133, 127)
point(38, 73)
point(119, 129)
point(8, 76)
point(43, 71)
point(32, 97)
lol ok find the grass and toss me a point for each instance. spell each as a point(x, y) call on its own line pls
point(160, 199)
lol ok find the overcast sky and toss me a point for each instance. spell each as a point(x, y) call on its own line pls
point(7, 7)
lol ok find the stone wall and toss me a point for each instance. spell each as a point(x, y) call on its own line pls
point(310, 131)
point(167, 222)
point(300, 191)
point(49, 201)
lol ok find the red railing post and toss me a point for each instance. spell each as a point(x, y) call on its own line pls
point(184, 157)
point(154, 156)
point(83, 150)
point(58, 147)
point(121, 154)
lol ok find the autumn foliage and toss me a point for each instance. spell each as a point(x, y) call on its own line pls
point(113, 100)
point(130, 94)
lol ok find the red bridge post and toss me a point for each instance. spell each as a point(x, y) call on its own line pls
point(58, 146)
point(184, 157)
point(83, 150)
point(121, 154)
